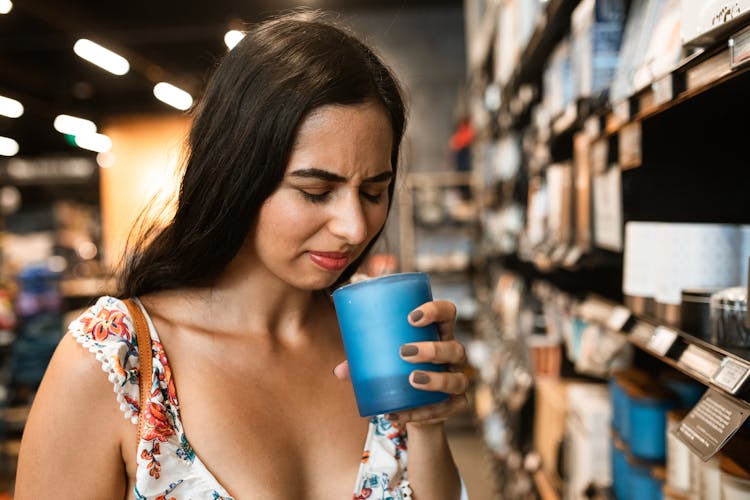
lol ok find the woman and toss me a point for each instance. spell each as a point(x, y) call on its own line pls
point(288, 182)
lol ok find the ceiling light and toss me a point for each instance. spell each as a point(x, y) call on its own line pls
point(232, 38)
point(106, 159)
point(5, 6)
point(99, 143)
point(10, 107)
point(8, 147)
point(104, 58)
point(72, 125)
point(175, 97)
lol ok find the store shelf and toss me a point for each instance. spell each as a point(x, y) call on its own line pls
point(551, 26)
point(727, 371)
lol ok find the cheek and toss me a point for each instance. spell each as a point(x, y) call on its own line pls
point(282, 219)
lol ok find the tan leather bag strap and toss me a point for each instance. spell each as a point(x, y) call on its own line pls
point(143, 338)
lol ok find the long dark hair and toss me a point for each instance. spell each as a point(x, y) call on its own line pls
point(240, 141)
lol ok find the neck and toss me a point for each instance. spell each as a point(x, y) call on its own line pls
point(251, 299)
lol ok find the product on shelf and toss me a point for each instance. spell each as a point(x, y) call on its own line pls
point(663, 259)
point(700, 18)
point(596, 35)
point(728, 314)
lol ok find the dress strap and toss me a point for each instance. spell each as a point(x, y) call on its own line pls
point(143, 339)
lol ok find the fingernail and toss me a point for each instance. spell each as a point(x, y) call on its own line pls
point(415, 315)
point(409, 350)
point(392, 417)
point(421, 378)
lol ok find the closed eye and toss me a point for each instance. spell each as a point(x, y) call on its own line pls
point(315, 197)
point(372, 197)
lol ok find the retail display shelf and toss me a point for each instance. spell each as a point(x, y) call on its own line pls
point(727, 371)
point(479, 49)
point(549, 30)
point(696, 74)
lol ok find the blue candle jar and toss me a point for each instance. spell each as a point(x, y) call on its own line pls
point(373, 318)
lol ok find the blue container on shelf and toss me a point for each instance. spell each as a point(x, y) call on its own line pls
point(619, 402)
point(645, 480)
point(620, 469)
point(647, 420)
point(620, 384)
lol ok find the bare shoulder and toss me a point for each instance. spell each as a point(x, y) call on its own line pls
point(71, 447)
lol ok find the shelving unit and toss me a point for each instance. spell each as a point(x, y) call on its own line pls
point(666, 152)
point(727, 371)
point(437, 234)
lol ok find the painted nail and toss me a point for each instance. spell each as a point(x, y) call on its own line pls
point(421, 378)
point(415, 315)
point(392, 417)
point(409, 350)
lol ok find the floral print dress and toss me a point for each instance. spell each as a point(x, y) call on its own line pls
point(168, 468)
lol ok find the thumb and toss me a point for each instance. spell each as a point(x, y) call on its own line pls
point(342, 371)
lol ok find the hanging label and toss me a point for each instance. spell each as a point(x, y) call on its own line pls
point(662, 340)
point(731, 375)
point(700, 361)
point(599, 156)
point(618, 318)
point(630, 145)
point(712, 422)
point(621, 110)
point(662, 89)
point(641, 334)
point(739, 48)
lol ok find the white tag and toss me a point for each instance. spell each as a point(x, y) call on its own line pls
point(662, 89)
point(662, 340)
point(618, 318)
point(701, 361)
point(630, 145)
point(731, 375)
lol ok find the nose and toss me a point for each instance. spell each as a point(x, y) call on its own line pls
point(348, 220)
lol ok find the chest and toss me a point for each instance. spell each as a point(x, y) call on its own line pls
point(271, 426)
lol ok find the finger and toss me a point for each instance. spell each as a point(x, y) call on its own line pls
point(448, 351)
point(448, 382)
point(440, 312)
point(433, 413)
point(342, 371)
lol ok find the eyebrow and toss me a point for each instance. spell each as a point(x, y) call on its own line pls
point(317, 173)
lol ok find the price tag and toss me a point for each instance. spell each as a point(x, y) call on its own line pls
point(662, 89)
point(739, 48)
point(662, 340)
point(599, 156)
point(621, 111)
point(712, 422)
point(641, 334)
point(731, 375)
point(700, 361)
point(630, 145)
point(618, 318)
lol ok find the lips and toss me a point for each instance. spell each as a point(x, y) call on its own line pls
point(330, 261)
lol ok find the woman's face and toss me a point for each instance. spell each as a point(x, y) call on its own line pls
point(333, 199)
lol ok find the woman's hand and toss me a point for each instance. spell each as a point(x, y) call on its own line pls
point(445, 351)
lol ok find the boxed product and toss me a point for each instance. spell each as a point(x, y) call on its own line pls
point(703, 20)
point(597, 28)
